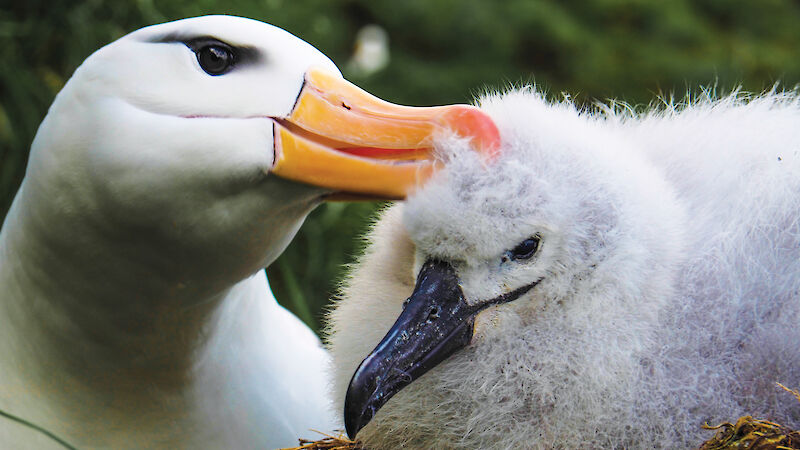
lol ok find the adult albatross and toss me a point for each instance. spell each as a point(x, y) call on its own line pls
point(613, 281)
point(134, 311)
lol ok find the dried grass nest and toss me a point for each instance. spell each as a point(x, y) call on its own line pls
point(747, 433)
point(329, 442)
point(754, 434)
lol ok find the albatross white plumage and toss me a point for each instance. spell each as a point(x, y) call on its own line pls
point(134, 310)
point(614, 280)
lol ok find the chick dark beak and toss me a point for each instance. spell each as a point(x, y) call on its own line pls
point(435, 322)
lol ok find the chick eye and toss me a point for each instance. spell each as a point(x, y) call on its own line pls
point(524, 250)
point(215, 59)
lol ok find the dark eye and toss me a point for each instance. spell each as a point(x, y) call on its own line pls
point(524, 250)
point(215, 59)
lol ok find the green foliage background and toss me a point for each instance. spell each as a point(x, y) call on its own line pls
point(442, 51)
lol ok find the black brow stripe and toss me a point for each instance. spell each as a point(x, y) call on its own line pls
point(244, 54)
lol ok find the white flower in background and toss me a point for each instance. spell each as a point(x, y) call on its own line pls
point(370, 51)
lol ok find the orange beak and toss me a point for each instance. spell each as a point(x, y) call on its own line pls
point(342, 138)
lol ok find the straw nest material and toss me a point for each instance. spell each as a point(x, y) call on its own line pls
point(753, 434)
point(747, 433)
point(329, 442)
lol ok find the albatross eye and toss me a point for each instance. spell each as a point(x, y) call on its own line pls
point(215, 59)
point(524, 250)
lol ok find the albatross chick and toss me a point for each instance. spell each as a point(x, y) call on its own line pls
point(612, 280)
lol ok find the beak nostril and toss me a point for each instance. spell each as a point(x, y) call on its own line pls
point(433, 314)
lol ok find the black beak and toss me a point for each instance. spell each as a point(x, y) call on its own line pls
point(436, 322)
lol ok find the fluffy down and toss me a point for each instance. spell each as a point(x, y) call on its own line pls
point(670, 277)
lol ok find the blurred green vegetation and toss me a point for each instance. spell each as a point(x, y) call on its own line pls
point(442, 51)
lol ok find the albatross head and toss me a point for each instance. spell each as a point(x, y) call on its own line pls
point(217, 134)
point(535, 278)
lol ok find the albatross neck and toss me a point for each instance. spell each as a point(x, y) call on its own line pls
point(116, 316)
